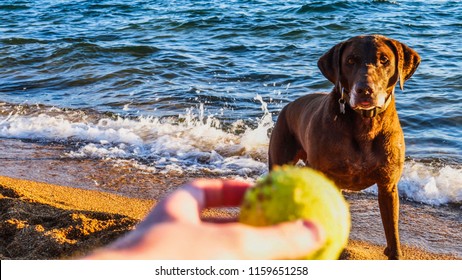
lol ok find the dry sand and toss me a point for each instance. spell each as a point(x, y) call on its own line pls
point(44, 221)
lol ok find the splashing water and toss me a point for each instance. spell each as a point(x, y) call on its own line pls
point(434, 186)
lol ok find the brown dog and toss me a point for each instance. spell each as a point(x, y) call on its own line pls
point(353, 134)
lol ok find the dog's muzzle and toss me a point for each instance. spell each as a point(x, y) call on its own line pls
point(365, 113)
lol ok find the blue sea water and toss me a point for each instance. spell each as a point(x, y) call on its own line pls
point(196, 86)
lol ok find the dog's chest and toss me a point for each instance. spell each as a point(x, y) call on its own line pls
point(355, 168)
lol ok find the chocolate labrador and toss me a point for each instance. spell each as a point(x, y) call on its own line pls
point(353, 134)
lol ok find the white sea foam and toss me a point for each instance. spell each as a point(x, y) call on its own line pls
point(432, 185)
point(191, 142)
point(196, 142)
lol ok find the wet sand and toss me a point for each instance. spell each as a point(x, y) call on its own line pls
point(46, 221)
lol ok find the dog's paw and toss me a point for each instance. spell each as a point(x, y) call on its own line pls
point(393, 254)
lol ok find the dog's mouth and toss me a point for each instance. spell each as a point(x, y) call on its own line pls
point(365, 105)
point(368, 102)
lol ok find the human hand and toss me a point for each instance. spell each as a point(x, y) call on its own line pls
point(174, 230)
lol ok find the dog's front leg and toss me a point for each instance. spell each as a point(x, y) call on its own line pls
point(389, 210)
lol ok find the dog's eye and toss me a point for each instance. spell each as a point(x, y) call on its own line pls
point(351, 60)
point(384, 60)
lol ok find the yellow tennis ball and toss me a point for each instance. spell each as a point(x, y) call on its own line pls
point(290, 193)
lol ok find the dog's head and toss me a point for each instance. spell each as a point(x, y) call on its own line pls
point(368, 68)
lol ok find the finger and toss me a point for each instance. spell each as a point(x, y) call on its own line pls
point(290, 240)
point(221, 193)
point(186, 203)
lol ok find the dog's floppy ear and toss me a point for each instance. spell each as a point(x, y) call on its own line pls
point(329, 64)
point(407, 61)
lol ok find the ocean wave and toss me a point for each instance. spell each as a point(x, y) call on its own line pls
point(432, 185)
point(323, 7)
point(429, 184)
point(187, 141)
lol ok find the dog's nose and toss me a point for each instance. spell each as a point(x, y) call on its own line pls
point(364, 89)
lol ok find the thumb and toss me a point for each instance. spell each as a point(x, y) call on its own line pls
point(289, 240)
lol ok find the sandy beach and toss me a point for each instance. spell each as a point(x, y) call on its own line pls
point(45, 221)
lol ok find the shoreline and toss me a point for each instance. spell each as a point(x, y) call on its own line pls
point(46, 221)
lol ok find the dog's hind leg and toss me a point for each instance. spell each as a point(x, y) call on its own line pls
point(284, 147)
